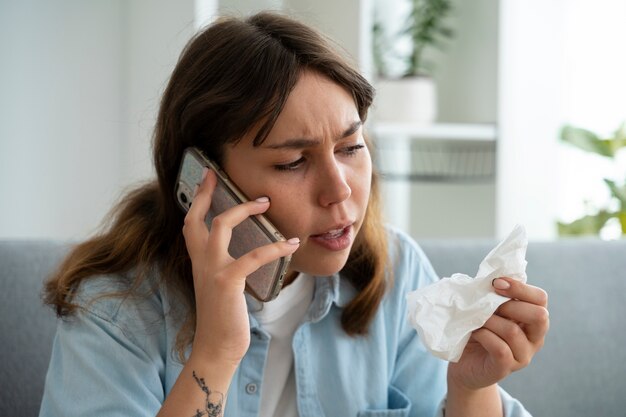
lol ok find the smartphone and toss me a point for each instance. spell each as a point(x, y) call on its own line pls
point(265, 283)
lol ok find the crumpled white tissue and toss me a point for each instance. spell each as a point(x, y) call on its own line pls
point(447, 312)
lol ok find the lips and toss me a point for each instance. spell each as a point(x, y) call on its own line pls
point(335, 239)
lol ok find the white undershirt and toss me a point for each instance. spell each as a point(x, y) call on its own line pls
point(280, 318)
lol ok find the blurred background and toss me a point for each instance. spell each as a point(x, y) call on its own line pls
point(516, 117)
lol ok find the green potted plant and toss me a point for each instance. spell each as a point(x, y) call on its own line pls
point(406, 89)
point(594, 222)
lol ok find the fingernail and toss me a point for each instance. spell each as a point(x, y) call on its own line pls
point(262, 200)
point(195, 190)
point(205, 170)
point(500, 284)
point(294, 241)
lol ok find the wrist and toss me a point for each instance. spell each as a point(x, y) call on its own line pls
point(217, 370)
point(203, 384)
point(465, 401)
point(207, 361)
point(223, 357)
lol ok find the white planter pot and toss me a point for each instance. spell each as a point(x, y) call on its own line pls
point(406, 100)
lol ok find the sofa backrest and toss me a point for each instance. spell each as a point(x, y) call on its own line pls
point(26, 326)
point(580, 372)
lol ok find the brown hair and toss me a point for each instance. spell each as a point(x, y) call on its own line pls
point(232, 76)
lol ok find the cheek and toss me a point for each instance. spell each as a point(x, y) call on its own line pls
point(362, 181)
point(286, 213)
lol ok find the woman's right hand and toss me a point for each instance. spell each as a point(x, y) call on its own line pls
point(222, 324)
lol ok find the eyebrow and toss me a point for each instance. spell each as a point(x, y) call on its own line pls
point(298, 143)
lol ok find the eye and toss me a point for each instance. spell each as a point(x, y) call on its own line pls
point(352, 150)
point(291, 166)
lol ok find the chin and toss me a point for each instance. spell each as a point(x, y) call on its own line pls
point(320, 268)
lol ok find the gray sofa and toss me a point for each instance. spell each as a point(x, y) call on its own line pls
point(581, 371)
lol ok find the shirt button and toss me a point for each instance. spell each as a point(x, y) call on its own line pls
point(251, 388)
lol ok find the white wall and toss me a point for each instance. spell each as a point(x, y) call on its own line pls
point(156, 32)
point(80, 82)
point(246, 7)
point(529, 115)
point(61, 119)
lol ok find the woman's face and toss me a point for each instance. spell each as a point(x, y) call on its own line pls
point(315, 168)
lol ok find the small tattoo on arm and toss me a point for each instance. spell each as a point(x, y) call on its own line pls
point(214, 400)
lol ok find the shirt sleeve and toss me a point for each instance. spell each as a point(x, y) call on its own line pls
point(99, 367)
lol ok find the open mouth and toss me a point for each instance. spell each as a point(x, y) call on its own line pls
point(334, 240)
point(333, 234)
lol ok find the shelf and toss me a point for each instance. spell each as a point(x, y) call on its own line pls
point(437, 131)
point(439, 161)
point(443, 152)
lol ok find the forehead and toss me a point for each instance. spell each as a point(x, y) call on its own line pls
point(316, 106)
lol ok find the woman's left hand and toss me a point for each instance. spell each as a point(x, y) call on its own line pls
point(508, 340)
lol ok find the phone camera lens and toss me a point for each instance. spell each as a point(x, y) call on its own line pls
point(183, 198)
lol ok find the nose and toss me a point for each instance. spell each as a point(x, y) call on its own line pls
point(333, 185)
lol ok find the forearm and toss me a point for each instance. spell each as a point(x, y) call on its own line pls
point(200, 390)
point(484, 402)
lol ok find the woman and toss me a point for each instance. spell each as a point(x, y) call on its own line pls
point(157, 322)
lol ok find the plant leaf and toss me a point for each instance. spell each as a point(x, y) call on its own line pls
point(622, 219)
point(617, 191)
point(585, 140)
point(586, 225)
point(616, 144)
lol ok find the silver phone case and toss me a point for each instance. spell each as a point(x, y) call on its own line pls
point(265, 283)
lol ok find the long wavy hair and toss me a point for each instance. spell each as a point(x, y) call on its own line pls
point(232, 76)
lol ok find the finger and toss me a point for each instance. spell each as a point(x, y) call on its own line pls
point(513, 288)
point(258, 257)
point(222, 225)
point(202, 199)
point(534, 319)
point(498, 350)
point(514, 337)
point(195, 231)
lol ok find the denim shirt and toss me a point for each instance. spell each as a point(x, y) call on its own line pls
point(115, 357)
